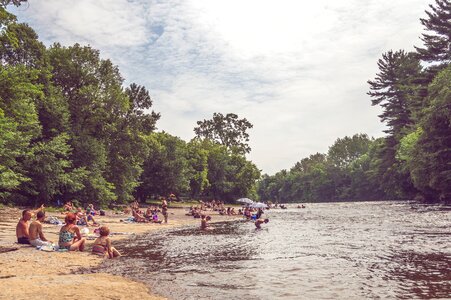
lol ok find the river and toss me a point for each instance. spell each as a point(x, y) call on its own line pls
point(365, 250)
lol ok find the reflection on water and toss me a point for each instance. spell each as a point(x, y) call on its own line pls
point(326, 251)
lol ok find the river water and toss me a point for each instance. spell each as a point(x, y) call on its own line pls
point(363, 250)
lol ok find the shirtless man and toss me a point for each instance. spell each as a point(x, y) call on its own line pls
point(22, 228)
point(259, 222)
point(36, 236)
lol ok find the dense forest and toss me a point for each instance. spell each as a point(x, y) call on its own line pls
point(413, 160)
point(70, 129)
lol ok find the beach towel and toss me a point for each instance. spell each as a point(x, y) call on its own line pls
point(53, 220)
point(46, 248)
point(129, 220)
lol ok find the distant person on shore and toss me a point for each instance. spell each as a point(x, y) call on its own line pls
point(259, 213)
point(102, 245)
point(37, 237)
point(164, 210)
point(259, 222)
point(70, 237)
point(138, 216)
point(83, 218)
point(68, 206)
point(204, 222)
point(23, 226)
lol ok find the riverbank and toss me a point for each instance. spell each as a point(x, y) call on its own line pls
point(28, 273)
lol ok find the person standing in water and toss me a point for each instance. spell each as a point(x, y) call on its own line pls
point(164, 210)
point(203, 222)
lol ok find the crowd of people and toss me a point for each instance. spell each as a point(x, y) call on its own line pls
point(201, 211)
point(71, 239)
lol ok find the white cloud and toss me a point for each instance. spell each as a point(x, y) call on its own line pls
point(296, 69)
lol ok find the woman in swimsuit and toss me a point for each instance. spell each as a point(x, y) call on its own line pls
point(102, 245)
point(70, 237)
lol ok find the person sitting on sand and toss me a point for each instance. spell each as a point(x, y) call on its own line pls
point(70, 237)
point(37, 237)
point(138, 217)
point(102, 245)
point(90, 211)
point(68, 206)
point(83, 219)
point(22, 228)
point(155, 218)
point(135, 205)
point(258, 222)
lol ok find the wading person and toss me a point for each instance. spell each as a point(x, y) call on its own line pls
point(164, 210)
point(204, 222)
point(259, 222)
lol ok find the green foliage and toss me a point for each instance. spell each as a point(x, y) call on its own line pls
point(392, 88)
point(437, 39)
point(407, 145)
point(165, 168)
point(197, 157)
point(226, 130)
point(343, 174)
point(50, 170)
point(430, 163)
point(13, 146)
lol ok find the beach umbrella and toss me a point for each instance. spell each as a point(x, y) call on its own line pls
point(258, 205)
point(245, 200)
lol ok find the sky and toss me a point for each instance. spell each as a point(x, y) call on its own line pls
point(297, 70)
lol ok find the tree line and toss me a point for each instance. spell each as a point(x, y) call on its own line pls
point(69, 129)
point(413, 160)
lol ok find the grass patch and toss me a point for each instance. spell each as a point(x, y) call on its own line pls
point(53, 209)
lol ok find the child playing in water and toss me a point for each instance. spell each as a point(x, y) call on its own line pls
point(203, 222)
point(102, 245)
point(258, 222)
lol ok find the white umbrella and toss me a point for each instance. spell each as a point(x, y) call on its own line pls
point(258, 205)
point(245, 200)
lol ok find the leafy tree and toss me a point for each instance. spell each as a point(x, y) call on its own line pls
point(136, 116)
point(226, 130)
point(50, 170)
point(346, 150)
point(13, 147)
point(430, 162)
point(197, 155)
point(165, 168)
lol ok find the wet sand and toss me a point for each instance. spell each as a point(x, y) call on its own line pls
point(28, 273)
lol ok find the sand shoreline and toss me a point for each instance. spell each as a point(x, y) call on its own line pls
point(28, 273)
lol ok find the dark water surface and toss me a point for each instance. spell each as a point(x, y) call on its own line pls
point(325, 251)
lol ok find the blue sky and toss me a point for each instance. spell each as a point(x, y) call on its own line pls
point(297, 70)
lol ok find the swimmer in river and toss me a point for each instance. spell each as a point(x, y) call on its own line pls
point(258, 222)
point(203, 222)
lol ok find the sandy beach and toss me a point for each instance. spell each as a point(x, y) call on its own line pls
point(28, 273)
